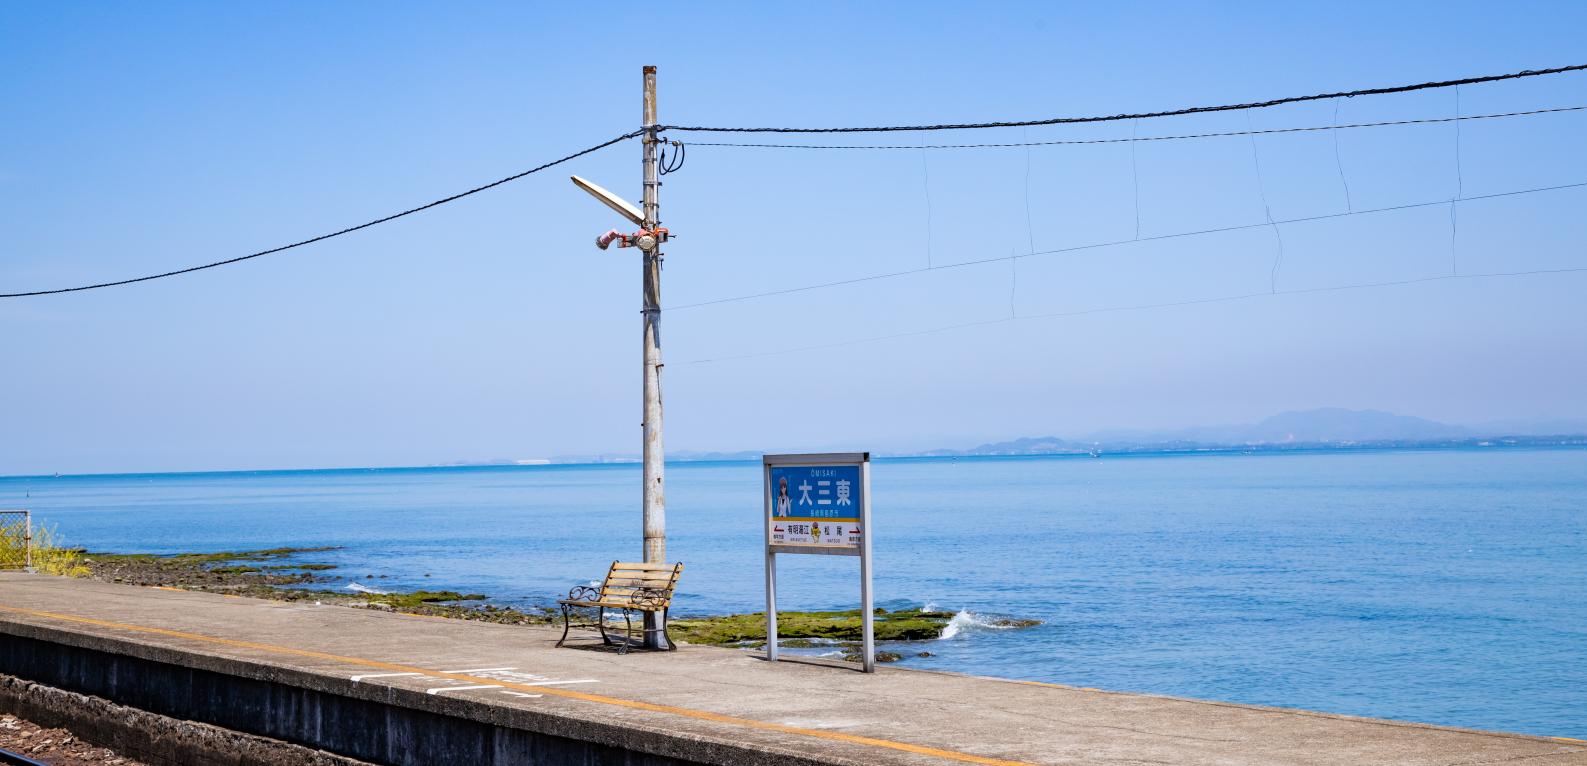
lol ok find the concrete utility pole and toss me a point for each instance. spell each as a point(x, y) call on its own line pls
point(655, 499)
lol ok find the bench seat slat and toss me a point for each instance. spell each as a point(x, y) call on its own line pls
point(611, 594)
point(643, 576)
point(625, 596)
point(625, 583)
point(617, 604)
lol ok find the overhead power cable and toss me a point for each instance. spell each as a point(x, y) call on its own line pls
point(1146, 115)
point(338, 233)
point(1180, 137)
point(1114, 243)
point(1146, 307)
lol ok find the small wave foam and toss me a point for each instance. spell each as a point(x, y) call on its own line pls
point(361, 588)
point(966, 621)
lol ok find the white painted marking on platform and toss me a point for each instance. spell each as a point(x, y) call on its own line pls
point(521, 677)
point(382, 675)
point(508, 674)
point(515, 676)
point(460, 688)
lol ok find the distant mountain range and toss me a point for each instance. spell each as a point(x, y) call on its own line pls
point(1319, 428)
point(1325, 428)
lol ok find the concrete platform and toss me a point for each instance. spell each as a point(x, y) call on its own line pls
point(292, 667)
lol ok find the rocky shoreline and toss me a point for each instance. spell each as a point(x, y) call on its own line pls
point(277, 573)
point(268, 574)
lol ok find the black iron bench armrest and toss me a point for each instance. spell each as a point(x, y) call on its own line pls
point(582, 593)
point(650, 599)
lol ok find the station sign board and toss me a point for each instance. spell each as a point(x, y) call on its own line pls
point(819, 503)
point(816, 506)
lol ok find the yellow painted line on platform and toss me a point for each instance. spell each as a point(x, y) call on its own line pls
point(1570, 739)
point(701, 715)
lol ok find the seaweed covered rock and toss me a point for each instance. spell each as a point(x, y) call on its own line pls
point(837, 626)
point(854, 654)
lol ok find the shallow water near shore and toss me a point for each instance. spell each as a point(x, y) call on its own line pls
point(1445, 587)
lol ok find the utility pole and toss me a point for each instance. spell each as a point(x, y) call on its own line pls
point(655, 502)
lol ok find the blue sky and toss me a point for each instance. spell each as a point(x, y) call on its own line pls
point(149, 137)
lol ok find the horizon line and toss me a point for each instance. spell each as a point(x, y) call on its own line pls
point(1187, 449)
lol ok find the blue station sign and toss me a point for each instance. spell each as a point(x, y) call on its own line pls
point(815, 505)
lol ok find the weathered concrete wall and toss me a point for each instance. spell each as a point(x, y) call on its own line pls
point(158, 712)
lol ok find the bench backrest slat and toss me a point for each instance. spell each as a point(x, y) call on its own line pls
point(626, 578)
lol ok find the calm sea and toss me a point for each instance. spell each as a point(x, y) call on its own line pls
point(1446, 587)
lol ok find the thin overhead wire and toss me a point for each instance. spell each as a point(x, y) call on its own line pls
point(1141, 307)
point(338, 233)
point(1339, 161)
point(1267, 210)
point(1115, 243)
point(1132, 140)
point(1460, 174)
point(1145, 115)
point(1013, 287)
point(1026, 123)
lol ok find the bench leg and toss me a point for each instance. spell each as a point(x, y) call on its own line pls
point(601, 623)
point(628, 632)
point(567, 623)
point(671, 645)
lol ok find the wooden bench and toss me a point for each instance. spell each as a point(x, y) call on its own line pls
point(629, 588)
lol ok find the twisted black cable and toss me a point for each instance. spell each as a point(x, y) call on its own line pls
point(1144, 115)
point(323, 237)
point(1176, 137)
point(674, 163)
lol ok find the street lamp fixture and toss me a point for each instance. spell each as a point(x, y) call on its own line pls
point(644, 239)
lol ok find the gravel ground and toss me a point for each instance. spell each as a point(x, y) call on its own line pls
point(54, 746)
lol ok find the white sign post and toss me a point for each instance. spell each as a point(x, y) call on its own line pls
point(819, 504)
